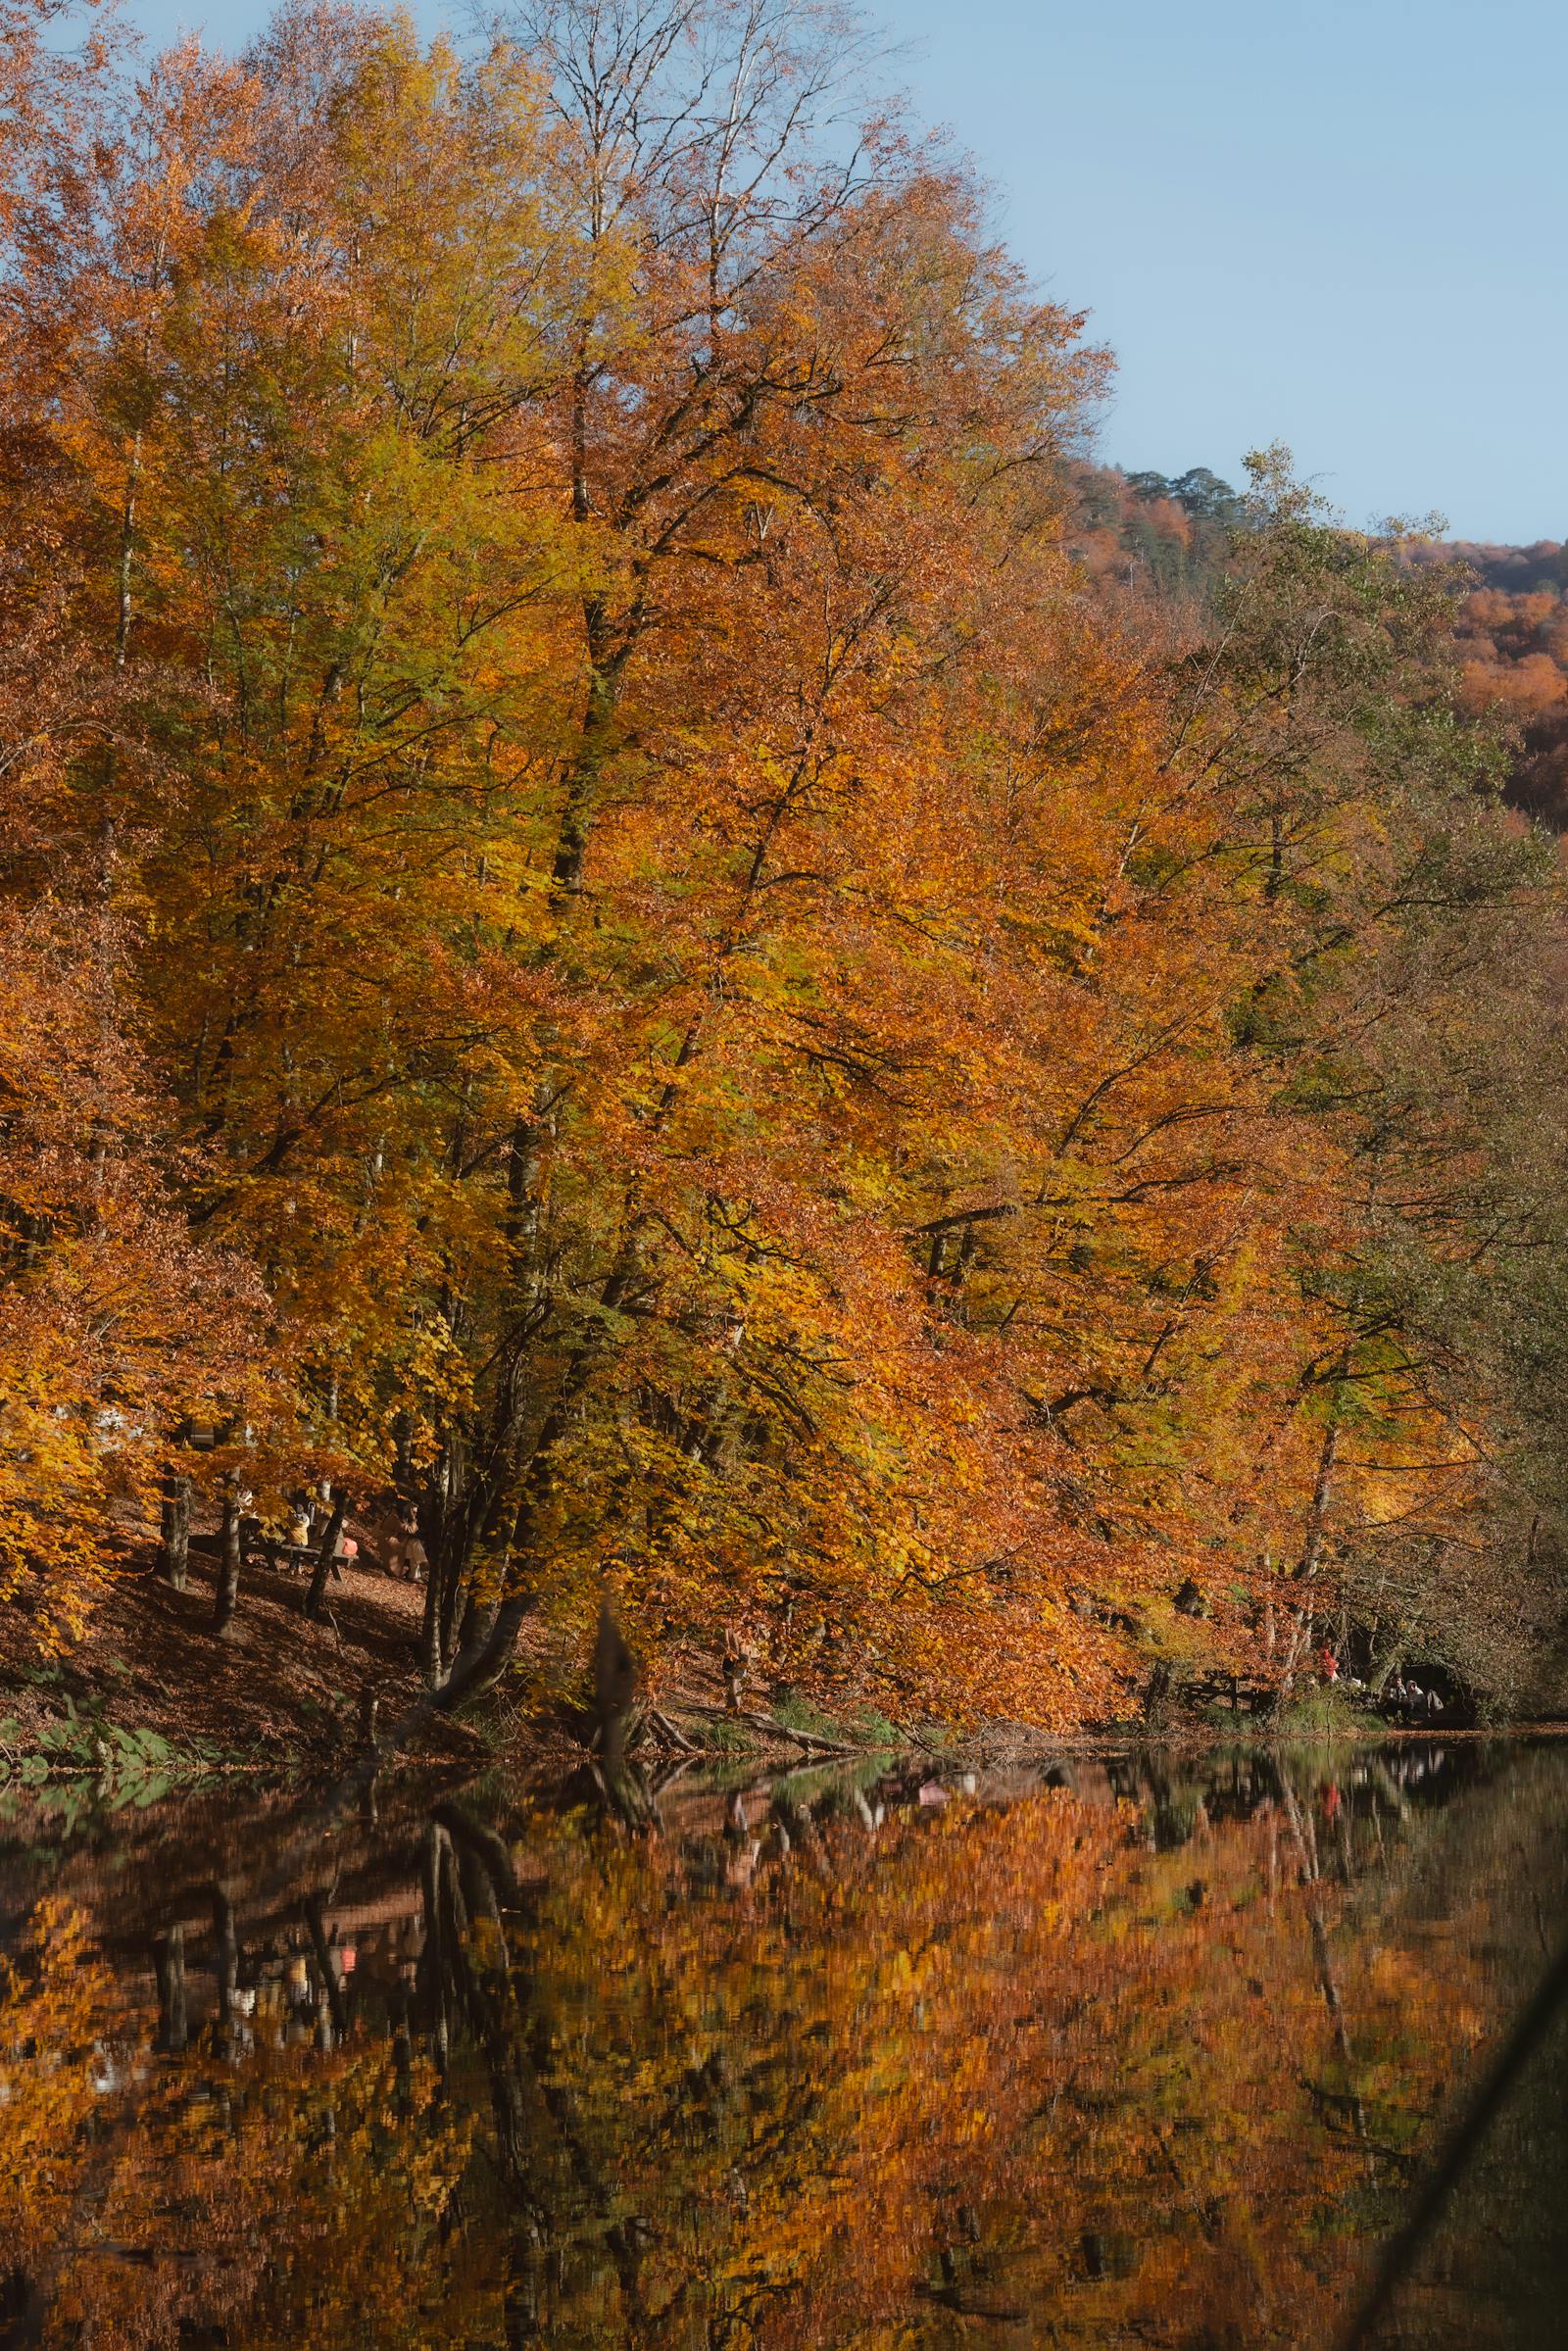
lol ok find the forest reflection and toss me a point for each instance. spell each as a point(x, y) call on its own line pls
point(1150, 2055)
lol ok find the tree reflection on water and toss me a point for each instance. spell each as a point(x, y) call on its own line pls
point(1156, 2054)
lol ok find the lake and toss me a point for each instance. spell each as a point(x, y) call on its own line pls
point(1138, 2050)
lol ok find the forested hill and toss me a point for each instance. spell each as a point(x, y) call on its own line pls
point(1149, 533)
point(1171, 538)
point(1513, 643)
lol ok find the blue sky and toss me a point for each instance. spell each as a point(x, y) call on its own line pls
point(1342, 227)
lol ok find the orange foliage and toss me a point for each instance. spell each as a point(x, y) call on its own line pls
point(1513, 637)
point(760, 1050)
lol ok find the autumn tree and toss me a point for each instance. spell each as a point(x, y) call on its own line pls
point(667, 977)
point(116, 1325)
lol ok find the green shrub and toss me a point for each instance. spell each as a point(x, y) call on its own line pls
point(1320, 1712)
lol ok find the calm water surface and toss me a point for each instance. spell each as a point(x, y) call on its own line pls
point(1162, 2053)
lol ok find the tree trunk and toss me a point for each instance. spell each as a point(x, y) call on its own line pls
point(480, 1669)
point(403, 1476)
point(316, 1598)
point(478, 1618)
point(480, 1666)
point(1311, 1555)
point(228, 1595)
point(615, 1685)
point(455, 1565)
point(1318, 1516)
point(431, 1660)
point(449, 1511)
point(173, 1556)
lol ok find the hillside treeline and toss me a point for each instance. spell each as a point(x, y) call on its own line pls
point(607, 931)
point(1168, 540)
point(1150, 537)
point(1513, 643)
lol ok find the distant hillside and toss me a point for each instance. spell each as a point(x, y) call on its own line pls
point(1513, 635)
point(1147, 531)
point(1169, 537)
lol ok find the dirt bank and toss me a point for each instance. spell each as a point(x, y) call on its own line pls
point(278, 1693)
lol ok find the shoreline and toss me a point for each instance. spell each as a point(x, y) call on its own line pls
point(152, 1701)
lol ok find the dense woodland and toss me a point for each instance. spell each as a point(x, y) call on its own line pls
point(1513, 638)
point(637, 913)
point(1170, 541)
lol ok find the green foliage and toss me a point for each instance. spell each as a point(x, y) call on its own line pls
point(82, 1763)
point(878, 1729)
point(718, 1736)
point(799, 1713)
point(1323, 1711)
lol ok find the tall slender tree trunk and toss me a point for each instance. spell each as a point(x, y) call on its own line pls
point(316, 1598)
point(128, 549)
point(1322, 1491)
point(454, 1571)
point(173, 1556)
point(1312, 1552)
point(432, 1662)
point(226, 1598)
